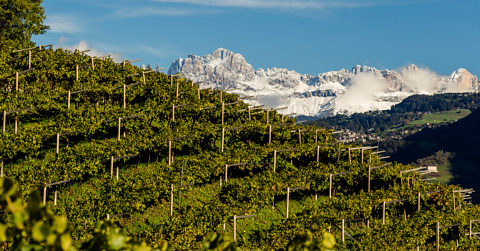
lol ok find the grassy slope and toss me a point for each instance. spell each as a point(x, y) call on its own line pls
point(442, 117)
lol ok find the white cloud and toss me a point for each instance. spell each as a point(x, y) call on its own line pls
point(420, 80)
point(288, 4)
point(83, 45)
point(152, 11)
point(64, 24)
point(364, 90)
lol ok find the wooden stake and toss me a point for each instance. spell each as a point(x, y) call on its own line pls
point(223, 110)
point(418, 202)
point(124, 96)
point(274, 160)
point(55, 198)
point(330, 186)
point(119, 128)
point(288, 200)
point(178, 85)
point(45, 195)
point(173, 112)
point(221, 96)
point(343, 230)
point(143, 77)
point(299, 136)
point(438, 235)
point(111, 166)
point(383, 213)
point(362, 155)
point(316, 136)
point(349, 156)
point(318, 154)
point(220, 180)
point(226, 173)
point(171, 79)
point(235, 228)
point(269, 134)
point(16, 124)
point(169, 152)
point(469, 227)
point(68, 99)
point(76, 73)
point(93, 63)
point(117, 172)
point(29, 59)
point(171, 200)
point(223, 137)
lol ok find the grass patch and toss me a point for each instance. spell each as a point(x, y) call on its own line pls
point(441, 117)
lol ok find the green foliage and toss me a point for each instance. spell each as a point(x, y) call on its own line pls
point(139, 200)
point(20, 19)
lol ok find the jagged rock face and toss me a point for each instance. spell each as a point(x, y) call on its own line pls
point(359, 89)
point(465, 81)
point(222, 67)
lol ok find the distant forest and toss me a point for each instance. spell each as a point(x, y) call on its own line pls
point(411, 108)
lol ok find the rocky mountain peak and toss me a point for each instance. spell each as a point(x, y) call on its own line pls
point(412, 67)
point(360, 89)
point(466, 82)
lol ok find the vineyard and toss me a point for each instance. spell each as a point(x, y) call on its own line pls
point(101, 142)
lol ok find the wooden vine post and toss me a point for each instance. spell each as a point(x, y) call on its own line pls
point(343, 230)
point(112, 159)
point(275, 157)
point(169, 152)
point(45, 191)
point(232, 165)
point(119, 124)
point(16, 118)
point(383, 208)
point(171, 77)
point(171, 200)
point(124, 96)
point(172, 187)
point(420, 198)
point(223, 135)
point(223, 138)
point(408, 171)
point(119, 128)
point(223, 111)
point(57, 148)
point(288, 197)
point(235, 218)
point(170, 158)
point(437, 231)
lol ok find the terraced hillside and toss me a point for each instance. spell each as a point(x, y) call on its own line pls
point(171, 163)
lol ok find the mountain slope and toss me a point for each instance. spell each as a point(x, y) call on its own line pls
point(460, 138)
point(359, 89)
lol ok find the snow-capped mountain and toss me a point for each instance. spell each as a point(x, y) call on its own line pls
point(359, 89)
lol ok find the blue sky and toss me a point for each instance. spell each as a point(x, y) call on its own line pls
point(307, 36)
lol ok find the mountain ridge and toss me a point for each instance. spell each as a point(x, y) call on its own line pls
point(345, 91)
